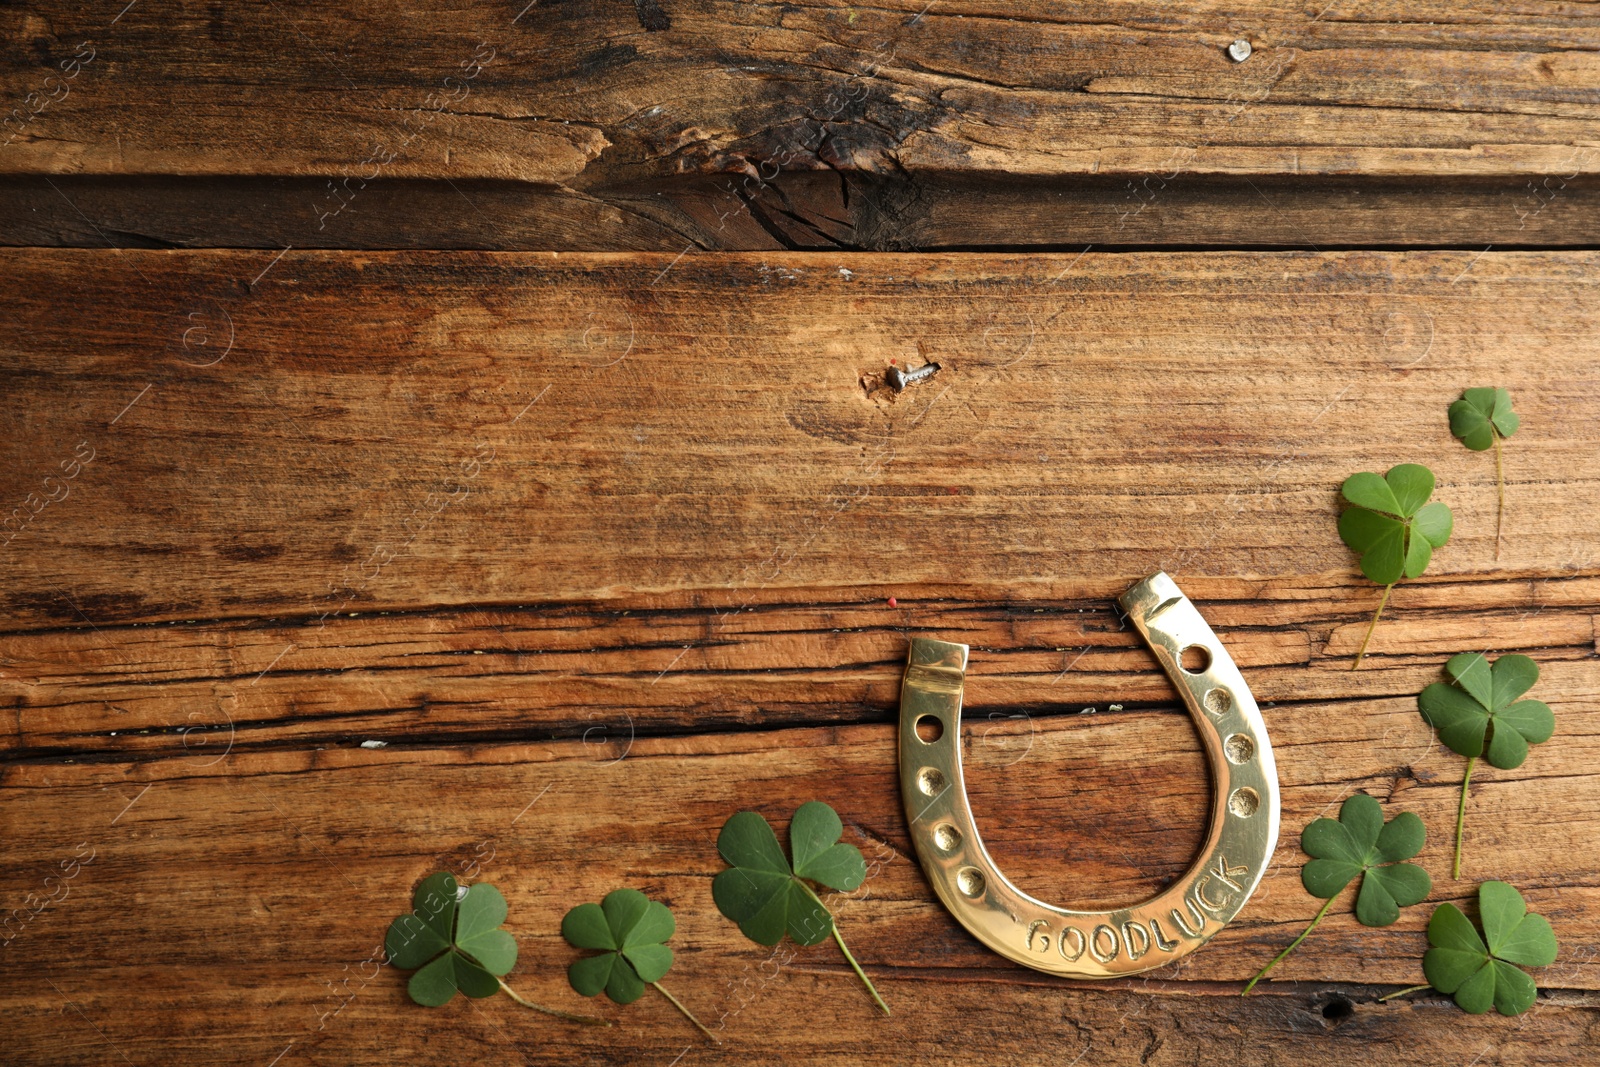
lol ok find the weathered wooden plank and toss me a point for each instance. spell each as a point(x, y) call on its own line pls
point(766, 1007)
point(611, 674)
point(160, 212)
point(750, 460)
point(623, 133)
point(770, 1005)
point(544, 95)
point(676, 493)
point(502, 429)
point(807, 210)
point(254, 887)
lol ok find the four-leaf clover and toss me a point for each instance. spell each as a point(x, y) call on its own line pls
point(768, 898)
point(628, 928)
point(452, 939)
point(1360, 844)
point(1481, 716)
point(1477, 974)
point(1393, 527)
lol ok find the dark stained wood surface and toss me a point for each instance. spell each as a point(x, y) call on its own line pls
point(612, 126)
point(542, 95)
point(811, 211)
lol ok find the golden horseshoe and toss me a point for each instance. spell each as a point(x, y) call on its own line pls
point(1123, 941)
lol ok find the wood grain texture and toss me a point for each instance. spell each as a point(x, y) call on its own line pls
point(298, 890)
point(697, 122)
point(497, 673)
point(810, 211)
point(510, 429)
point(595, 533)
point(1112, 86)
point(603, 546)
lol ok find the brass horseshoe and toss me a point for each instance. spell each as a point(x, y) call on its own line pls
point(1123, 941)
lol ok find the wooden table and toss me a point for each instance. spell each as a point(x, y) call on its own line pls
point(458, 439)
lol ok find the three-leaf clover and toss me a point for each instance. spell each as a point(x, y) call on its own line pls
point(1479, 974)
point(1393, 527)
point(629, 928)
point(1481, 716)
point(1360, 844)
point(1481, 418)
point(768, 898)
point(452, 939)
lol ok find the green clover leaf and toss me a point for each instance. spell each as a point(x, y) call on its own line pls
point(1480, 715)
point(768, 897)
point(763, 894)
point(629, 927)
point(1481, 419)
point(1360, 844)
point(629, 930)
point(1482, 416)
point(1393, 528)
point(1480, 971)
point(452, 940)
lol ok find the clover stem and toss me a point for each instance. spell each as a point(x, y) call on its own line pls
point(1461, 812)
point(1403, 992)
point(846, 950)
point(870, 987)
point(1500, 491)
point(1292, 946)
point(587, 1020)
point(1375, 617)
point(687, 1014)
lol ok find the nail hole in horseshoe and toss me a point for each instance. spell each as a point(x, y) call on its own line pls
point(1195, 659)
point(929, 729)
point(931, 781)
point(1239, 748)
point(970, 881)
point(946, 837)
point(1244, 802)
